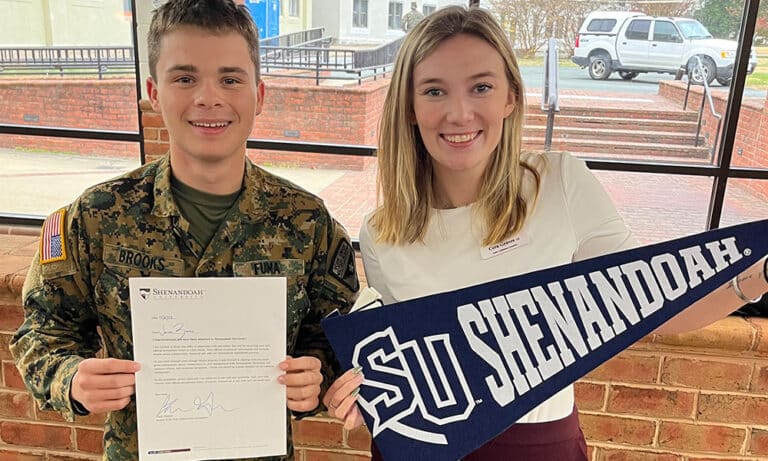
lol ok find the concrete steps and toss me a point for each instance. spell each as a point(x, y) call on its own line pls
point(620, 134)
point(597, 122)
point(602, 133)
point(610, 149)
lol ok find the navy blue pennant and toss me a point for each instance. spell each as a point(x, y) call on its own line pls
point(446, 373)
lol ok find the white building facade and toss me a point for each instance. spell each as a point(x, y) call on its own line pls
point(368, 21)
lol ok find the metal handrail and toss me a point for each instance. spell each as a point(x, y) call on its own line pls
point(300, 38)
point(305, 51)
point(385, 54)
point(550, 99)
point(706, 96)
point(101, 58)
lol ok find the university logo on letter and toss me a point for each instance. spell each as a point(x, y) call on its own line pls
point(449, 398)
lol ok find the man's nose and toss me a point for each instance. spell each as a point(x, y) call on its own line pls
point(208, 94)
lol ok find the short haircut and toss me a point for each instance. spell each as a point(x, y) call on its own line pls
point(215, 16)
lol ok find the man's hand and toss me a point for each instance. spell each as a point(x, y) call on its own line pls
point(102, 385)
point(302, 381)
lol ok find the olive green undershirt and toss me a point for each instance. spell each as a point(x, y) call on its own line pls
point(205, 212)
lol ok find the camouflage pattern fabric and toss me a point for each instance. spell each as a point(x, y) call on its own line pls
point(410, 19)
point(131, 227)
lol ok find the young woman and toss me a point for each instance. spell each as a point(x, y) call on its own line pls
point(455, 187)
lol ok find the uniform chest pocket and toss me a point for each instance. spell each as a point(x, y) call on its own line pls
point(293, 270)
point(112, 293)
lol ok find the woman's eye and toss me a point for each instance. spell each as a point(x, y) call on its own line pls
point(483, 87)
point(433, 92)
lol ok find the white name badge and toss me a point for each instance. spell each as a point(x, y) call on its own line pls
point(506, 246)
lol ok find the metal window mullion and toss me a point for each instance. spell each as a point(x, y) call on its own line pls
point(137, 73)
point(732, 112)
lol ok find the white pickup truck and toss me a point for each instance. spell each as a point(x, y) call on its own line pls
point(630, 43)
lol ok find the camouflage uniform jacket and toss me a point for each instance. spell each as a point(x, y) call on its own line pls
point(410, 19)
point(131, 227)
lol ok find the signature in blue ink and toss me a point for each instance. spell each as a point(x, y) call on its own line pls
point(176, 329)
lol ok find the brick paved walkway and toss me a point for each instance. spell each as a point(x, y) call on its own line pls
point(656, 207)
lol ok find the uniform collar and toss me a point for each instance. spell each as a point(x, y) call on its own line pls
point(252, 203)
point(164, 205)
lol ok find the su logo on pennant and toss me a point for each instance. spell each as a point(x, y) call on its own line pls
point(449, 398)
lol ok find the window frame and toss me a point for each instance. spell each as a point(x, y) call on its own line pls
point(394, 18)
point(360, 14)
point(721, 171)
point(294, 8)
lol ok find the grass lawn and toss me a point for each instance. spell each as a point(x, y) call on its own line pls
point(759, 78)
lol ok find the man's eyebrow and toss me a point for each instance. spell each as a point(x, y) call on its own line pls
point(232, 70)
point(222, 70)
point(183, 68)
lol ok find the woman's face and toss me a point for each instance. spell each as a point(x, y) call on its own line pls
point(461, 98)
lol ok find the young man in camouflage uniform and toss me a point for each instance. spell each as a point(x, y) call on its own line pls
point(202, 211)
point(411, 18)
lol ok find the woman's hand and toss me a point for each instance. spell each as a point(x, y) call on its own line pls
point(341, 398)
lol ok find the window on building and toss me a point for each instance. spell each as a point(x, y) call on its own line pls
point(395, 15)
point(360, 13)
point(428, 9)
point(293, 8)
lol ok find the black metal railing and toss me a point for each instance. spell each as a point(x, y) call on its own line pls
point(97, 59)
point(307, 54)
point(301, 38)
point(550, 97)
point(698, 67)
point(322, 62)
point(380, 56)
point(306, 58)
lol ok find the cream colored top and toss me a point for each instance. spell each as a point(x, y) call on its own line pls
point(573, 219)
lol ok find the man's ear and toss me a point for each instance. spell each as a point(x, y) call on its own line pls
point(260, 97)
point(152, 93)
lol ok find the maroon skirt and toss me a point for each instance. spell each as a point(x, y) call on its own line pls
point(560, 440)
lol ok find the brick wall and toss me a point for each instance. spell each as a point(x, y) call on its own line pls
point(692, 397)
point(750, 147)
point(294, 110)
point(69, 103)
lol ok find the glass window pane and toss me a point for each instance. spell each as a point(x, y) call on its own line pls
point(659, 207)
point(346, 183)
point(745, 200)
point(41, 174)
point(64, 64)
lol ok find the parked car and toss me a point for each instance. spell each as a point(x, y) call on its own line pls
point(631, 43)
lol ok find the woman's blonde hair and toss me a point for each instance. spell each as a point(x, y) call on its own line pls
point(405, 168)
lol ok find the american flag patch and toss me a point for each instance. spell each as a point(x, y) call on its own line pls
point(52, 247)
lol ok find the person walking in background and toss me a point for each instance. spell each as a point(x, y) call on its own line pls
point(454, 184)
point(204, 210)
point(411, 18)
